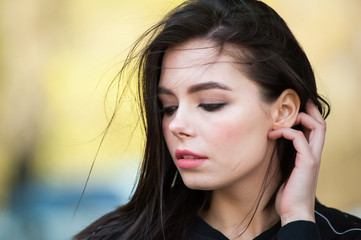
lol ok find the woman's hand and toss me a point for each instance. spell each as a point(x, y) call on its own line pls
point(296, 197)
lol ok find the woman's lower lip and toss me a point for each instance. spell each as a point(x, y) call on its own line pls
point(189, 163)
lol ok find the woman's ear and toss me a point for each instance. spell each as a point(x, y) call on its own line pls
point(285, 109)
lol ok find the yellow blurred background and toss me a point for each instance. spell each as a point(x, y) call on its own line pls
point(57, 59)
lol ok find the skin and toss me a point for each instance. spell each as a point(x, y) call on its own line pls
point(212, 109)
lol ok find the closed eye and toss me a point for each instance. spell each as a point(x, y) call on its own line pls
point(210, 107)
point(168, 110)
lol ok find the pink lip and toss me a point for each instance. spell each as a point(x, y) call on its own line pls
point(188, 163)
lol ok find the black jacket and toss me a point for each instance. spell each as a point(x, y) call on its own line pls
point(331, 224)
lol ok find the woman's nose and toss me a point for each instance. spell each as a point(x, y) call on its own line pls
point(182, 125)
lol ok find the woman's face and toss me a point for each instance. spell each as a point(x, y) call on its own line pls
point(215, 123)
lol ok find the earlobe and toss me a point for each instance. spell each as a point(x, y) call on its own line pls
point(286, 109)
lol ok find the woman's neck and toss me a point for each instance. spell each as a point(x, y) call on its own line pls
point(240, 214)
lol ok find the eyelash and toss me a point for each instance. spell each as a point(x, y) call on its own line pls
point(209, 107)
point(168, 110)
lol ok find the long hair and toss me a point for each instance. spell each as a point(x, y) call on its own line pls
point(162, 207)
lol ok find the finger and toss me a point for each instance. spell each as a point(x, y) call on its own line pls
point(313, 111)
point(297, 137)
point(310, 123)
point(316, 136)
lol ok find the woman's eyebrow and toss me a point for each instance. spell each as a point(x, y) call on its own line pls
point(162, 90)
point(206, 86)
point(197, 88)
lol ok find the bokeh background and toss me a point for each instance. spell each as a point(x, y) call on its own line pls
point(57, 58)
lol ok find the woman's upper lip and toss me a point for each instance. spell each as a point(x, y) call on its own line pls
point(180, 153)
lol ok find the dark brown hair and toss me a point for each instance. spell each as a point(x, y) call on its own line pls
point(160, 207)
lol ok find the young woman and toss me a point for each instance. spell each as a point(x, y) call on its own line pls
point(234, 132)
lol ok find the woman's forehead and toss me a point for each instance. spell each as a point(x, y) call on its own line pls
point(199, 62)
point(202, 52)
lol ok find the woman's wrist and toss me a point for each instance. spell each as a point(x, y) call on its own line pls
point(297, 216)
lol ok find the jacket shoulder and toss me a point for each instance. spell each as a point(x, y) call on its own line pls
point(335, 224)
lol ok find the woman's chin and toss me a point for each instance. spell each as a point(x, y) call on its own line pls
point(200, 185)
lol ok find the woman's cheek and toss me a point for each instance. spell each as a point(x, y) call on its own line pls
point(225, 130)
